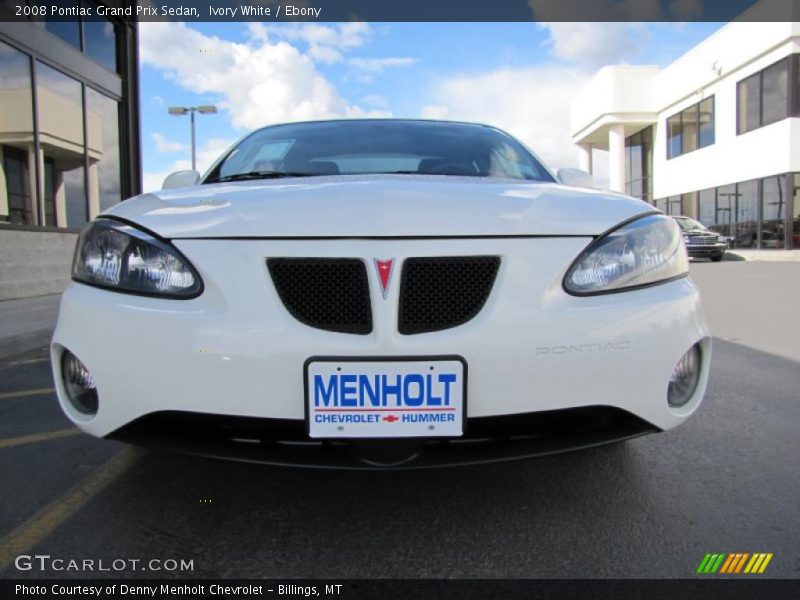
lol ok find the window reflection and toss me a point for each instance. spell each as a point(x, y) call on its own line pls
point(102, 118)
point(60, 119)
point(100, 41)
point(747, 215)
point(706, 207)
point(773, 211)
point(639, 164)
point(726, 203)
point(775, 93)
point(796, 212)
point(17, 164)
point(68, 31)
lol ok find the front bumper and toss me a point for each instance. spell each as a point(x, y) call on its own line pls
point(284, 442)
point(235, 351)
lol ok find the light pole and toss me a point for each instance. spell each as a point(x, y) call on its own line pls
point(178, 111)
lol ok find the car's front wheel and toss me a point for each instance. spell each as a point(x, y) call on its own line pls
point(717, 257)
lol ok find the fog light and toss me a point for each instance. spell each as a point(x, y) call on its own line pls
point(684, 378)
point(79, 384)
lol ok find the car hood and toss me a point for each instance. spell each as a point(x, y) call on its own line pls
point(378, 206)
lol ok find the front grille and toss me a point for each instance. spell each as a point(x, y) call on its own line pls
point(701, 240)
point(324, 293)
point(442, 292)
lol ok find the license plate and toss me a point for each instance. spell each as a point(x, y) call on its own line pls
point(385, 397)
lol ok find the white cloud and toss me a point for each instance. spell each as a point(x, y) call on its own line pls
point(257, 82)
point(594, 44)
point(206, 155)
point(375, 100)
point(434, 111)
point(365, 69)
point(166, 145)
point(530, 103)
point(326, 43)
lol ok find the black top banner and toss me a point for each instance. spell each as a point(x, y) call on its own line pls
point(404, 10)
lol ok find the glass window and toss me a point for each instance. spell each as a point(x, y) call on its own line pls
point(773, 211)
point(749, 105)
point(674, 205)
point(661, 204)
point(706, 206)
point(16, 138)
point(69, 31)
point(689, 203)
point(689, 123)
point(61, 139)
point(102, 128)
point(795, 240)
point(706, 122)
point(725, 213)
point(674, 136)
point(691, 129)
point(100, 41)
point(383, 146)
point(747, 214)
point(775, 93)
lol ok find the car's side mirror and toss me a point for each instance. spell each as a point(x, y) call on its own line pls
point(180, 179)
point(575, 177)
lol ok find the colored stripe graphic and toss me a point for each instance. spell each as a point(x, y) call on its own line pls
point(764, 564)
point(727, 565)
point(710, 563)
point(736, 562)
point(703, 563)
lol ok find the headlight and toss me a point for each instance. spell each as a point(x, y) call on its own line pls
point(639, 253)
point(120, 257)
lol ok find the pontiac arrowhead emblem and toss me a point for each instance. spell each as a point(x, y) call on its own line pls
point(384, 268)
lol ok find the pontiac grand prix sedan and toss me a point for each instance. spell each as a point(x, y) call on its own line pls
point(380, 293)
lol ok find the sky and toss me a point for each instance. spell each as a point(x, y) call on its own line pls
point(520, 77)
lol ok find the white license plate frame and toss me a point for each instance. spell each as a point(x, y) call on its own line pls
point(447, 419)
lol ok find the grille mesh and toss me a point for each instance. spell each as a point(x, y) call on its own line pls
point(324, 293)
point(445, 291)
point(702, 240)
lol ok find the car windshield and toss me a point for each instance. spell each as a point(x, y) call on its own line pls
point(378, 146)
point(688, 224)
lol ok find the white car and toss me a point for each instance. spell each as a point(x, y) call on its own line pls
point(376, 293)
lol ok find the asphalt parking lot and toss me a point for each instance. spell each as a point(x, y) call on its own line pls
point(726, 481)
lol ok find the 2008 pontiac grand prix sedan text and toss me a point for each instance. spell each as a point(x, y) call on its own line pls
point(379, 293)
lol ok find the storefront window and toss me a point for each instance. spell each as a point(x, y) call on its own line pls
point(674, 205)
point(60, 100)
point(747, 215)
point(706, 206)
point(102, 126)
point(689, 204)
point(17, 166)
point(726, 203)
point(773, 211)
point(795, 240)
